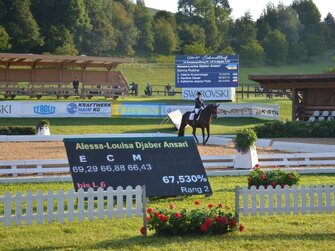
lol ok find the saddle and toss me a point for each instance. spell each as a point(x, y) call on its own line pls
point(192, 115)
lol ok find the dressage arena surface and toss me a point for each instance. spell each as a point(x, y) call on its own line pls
point(56, 149)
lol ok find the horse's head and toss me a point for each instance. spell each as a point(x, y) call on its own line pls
point(212, 108)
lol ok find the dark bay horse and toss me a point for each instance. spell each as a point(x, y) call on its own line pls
point(202, 122)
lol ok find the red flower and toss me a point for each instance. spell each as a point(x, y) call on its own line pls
point(149, 210)
point(257, 166)
point(197, 202)
point(203, 227)
point(241, 228)
point(273, 184)
point(156, 214)
point(148, 218)
point(143, 230)
point(171, 206)
point(232, 222)
point(220, 205)
point(208, 222)
point(262, 177)
point(210, 205)
point(162, 218)
point(177, 215)
point(221, 220)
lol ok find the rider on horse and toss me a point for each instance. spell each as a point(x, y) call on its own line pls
point(199, 105)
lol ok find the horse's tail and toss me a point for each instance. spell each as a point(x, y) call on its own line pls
point(183, 124)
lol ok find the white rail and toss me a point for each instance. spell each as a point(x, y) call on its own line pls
point(211, 163)
point(287, 200)
point(19, 209)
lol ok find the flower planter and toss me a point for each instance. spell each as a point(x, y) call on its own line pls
point(246, 160)
point(43, 130)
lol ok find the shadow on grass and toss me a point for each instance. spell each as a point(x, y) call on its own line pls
point(158, 241)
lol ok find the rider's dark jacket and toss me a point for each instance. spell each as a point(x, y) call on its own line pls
point(198, 103)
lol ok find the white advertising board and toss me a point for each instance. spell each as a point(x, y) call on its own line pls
point(166, 109)
point(227, 94)
point(248, 110)
point(56, 109)
point(10, 109)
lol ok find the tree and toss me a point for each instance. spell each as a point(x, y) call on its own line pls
point(196, 49)
point(187, 7)
point(101, 40)
point(296, 53)
point(62, 14)
point(145, 36)
point(4, 39)
point(20, 25)
point(244, 31)
point(252, 54)
point(329, 21)
point(165, 39)
point(289, 23)
point(191, 34)
point(275, 47)
point(126, 32)
point(309, 14)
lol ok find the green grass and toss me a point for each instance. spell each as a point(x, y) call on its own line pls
point(302, 232)
point(127, 125)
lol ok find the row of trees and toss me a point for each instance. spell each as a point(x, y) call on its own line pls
point(122, 28)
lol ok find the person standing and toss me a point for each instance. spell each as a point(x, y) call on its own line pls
point(75, 84)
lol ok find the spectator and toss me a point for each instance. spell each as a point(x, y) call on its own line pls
point(148, 90)
point(134, 89)
point(167, 89)
point(75, 84)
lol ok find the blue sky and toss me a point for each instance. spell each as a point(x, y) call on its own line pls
point(241, 6)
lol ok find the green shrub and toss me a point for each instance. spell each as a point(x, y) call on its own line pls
point(272, 178)
point(17, 130)
point(244, 140)
point(278, 129)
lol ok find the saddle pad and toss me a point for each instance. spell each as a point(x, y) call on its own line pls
point(191, 117)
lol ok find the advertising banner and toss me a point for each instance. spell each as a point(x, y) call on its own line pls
point(55, 109)
point(206, 71)
point(10, 109)
point(227, 94)
point(136, 110)
point(166, 109)
point(248, 110)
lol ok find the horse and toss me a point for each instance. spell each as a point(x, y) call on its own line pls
point(202, 122)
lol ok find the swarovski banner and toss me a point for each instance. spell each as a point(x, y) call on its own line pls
point(56, 109)
point(227, 94)
point(10, 109)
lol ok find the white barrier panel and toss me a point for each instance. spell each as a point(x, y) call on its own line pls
point(248, 110)
point(10, 109)
point(56, 109)
point(302, 147)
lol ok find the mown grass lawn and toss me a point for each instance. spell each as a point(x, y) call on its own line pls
point(303, 232)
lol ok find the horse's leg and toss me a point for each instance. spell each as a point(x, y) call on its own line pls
point(183, 124)
point(203, 135)
point(207, 129)
point(194, 135)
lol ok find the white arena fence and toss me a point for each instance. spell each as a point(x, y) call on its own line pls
point(214, 165)
point(288, 200)
point(28, 208)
